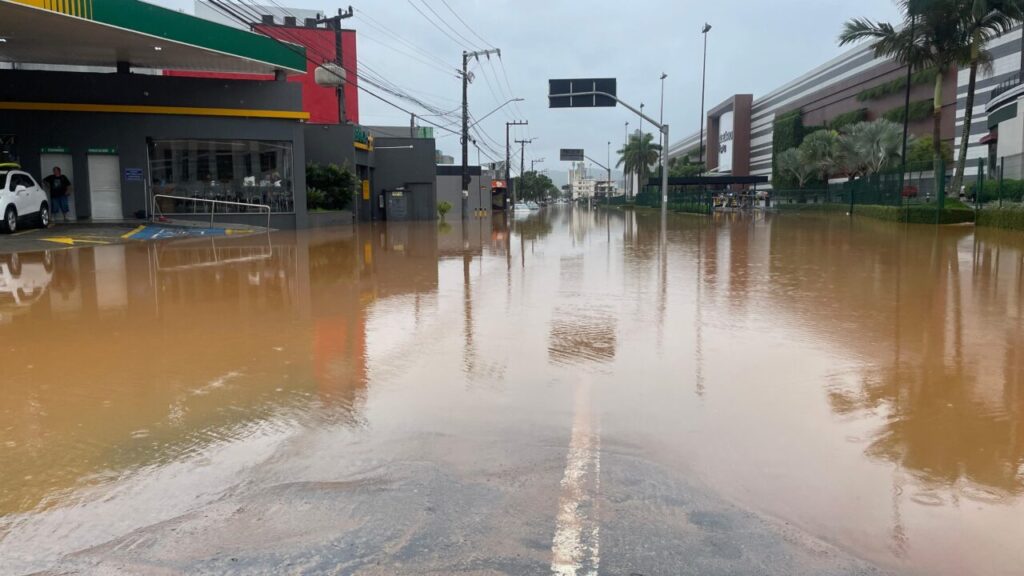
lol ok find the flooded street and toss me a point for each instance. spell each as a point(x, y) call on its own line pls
point(580, 393)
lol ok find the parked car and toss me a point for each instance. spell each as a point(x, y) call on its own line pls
point(22, 200)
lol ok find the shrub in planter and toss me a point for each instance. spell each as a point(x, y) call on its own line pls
point(442, 208)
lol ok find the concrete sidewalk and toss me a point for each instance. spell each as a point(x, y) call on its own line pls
point(62, 235)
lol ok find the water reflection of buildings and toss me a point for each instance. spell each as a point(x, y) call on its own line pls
point(920, 306)
point(138, 354)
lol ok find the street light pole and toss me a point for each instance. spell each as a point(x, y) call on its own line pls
point(703, 70)
point(625, 142)
point(906, 111)
point(608, 187)
point(661, 119)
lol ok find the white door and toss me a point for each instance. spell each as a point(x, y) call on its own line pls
point(105, 187)
point(62, 161)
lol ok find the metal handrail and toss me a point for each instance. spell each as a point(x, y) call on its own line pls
point(213, 208)
point(1006, 85)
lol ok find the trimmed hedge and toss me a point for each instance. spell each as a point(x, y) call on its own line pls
point(1008, 218)
point(797, 207)
point(689, 207)
point(896, 86)
point(954, 213)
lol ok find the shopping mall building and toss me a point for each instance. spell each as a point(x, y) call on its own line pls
point(740, 132)
point(151, 110)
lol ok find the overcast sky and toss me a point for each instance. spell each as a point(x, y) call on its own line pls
point(753, 47)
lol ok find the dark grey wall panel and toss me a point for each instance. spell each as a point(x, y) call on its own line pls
point(147, 90)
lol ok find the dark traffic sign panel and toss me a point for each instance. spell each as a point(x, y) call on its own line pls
point(571, 155)
point(576, 85)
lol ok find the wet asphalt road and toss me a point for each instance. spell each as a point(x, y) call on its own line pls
point(572, 393)
point(421, 518)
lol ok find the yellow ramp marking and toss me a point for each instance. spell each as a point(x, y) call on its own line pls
point(133, 232)
point(72, 241)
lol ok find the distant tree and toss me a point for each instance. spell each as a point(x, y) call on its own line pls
point(919, 153)
point(682, 167)
point(536, 186)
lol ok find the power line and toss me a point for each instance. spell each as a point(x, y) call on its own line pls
point(468, 27)
point(469, 42)
point(434, 24)
point(381, 27)
point(222, 6)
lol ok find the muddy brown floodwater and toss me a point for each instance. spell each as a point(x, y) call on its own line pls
point(572, 392)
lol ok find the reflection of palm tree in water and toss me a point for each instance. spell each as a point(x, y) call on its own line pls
point(944, 424)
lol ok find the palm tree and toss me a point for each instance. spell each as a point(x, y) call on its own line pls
point(935, 40)
point(795, 162)
point(821, 148)
point(638, 155)
point(983, 21)
point(879, 143)
point(852, 157)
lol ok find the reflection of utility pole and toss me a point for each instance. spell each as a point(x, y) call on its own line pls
point(522, 167)
point(465, 120)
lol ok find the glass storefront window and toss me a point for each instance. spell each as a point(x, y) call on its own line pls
point(248, 171)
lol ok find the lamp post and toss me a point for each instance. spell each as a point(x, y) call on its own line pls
point(625, 142)
point(661, 118)
point(507, 102)
point(608, 186)
point(703, 69)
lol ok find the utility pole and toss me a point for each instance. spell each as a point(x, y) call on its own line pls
point(412, 126)
point(508, 152)
point(335, 22)
point(522, 166)
point(537, 161)
point(465, 120)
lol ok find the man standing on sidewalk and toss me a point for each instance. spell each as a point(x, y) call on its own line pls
point(59, 187)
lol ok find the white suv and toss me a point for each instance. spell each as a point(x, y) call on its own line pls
point(21, 199)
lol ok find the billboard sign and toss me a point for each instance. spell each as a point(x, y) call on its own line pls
point(571, 154)
point(576, 85)
point(725, 142)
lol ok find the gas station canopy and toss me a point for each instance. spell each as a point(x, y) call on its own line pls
point(105, 32)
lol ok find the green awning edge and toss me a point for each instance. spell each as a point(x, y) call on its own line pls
point(187, 29)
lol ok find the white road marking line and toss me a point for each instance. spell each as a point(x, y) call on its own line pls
point(575, 548)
